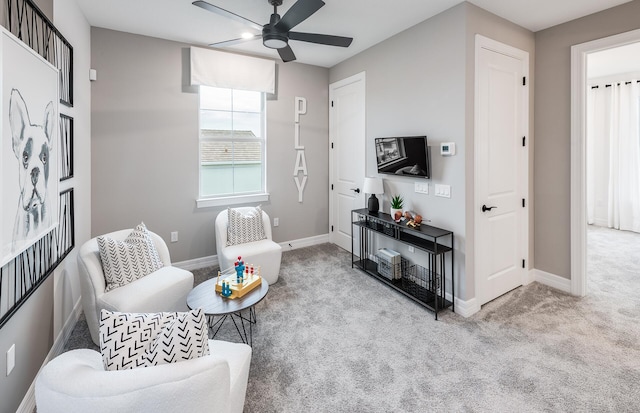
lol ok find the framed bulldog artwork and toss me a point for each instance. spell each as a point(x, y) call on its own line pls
point(28, 147)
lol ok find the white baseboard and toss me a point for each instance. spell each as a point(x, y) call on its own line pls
point(211, 260)
point(529, 277)
point(552, 280)
point(304, 242)
point(197, 263)
point(28, 403)
point(466, 308)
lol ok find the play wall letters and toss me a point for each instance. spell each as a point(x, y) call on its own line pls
point(300, 170)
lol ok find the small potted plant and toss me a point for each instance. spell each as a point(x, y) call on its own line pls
point(396, 206)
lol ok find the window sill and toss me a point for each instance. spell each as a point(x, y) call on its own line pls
point(231, 200)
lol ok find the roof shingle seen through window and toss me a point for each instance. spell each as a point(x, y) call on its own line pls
point(227, 151)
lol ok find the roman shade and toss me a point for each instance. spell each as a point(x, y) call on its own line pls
point(232, 71)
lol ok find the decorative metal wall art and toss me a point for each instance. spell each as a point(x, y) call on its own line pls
point(29, 24)
point(26, 272)
point(66, 147)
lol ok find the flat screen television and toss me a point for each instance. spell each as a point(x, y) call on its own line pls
point(403, 156)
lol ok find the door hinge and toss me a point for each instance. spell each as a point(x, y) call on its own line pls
point(332, 187)
point(331, 145)
point(523, 202)
point(524, 81)
point(524, 140)
point(523, 264)
point(331, 228)
point(332, 103)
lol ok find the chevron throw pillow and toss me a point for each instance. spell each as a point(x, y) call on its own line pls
point(184, 338)
point(243, 228)
point(133, 340)
point(126, 261)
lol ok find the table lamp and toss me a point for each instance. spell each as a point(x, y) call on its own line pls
point(373, 186)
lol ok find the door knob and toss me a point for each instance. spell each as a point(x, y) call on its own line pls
point(486, 208)
point(356, 190)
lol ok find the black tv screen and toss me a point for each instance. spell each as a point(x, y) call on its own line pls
point(403, 156)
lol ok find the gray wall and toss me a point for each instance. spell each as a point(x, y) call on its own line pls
point(48, 314)
point(145, 145)
point(415, 86)
point(553, 128)
point(421, 81)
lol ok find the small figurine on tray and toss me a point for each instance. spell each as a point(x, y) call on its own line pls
point(413, 220)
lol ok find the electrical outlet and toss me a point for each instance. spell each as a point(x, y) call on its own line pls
point(11, 358)
point(174, 236)
point(411, 249)
point(276, 222)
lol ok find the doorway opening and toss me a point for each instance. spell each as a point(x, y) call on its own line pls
point(581, 214)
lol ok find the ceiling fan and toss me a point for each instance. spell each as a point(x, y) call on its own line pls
point(277, 33)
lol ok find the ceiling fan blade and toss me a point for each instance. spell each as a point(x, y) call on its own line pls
point(321, 39)
point(233, 41)
point(297, 13)
point(286, 54)
point(226, 13)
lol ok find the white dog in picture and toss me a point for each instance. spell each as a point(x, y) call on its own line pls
point(32, 146)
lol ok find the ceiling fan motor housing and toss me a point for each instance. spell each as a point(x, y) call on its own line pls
point(271, 36)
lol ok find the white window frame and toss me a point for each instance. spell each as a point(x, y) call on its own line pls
point(232, 199)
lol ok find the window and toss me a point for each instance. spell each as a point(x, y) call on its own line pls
point(232, 145)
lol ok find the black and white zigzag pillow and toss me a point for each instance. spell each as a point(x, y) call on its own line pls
point(245, 228)
point(125, 338)
point(184, 338)
point(126, 261)
point(130, 340)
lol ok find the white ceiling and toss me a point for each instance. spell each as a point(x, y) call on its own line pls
point(367, 21)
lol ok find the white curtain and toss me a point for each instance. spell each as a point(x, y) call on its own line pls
point(613, 156)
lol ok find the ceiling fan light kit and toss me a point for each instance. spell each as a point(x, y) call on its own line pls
point(277, 33)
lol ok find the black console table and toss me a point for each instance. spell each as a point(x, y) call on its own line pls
point(424, 285)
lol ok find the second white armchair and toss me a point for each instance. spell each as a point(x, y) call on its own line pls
point(264, 253)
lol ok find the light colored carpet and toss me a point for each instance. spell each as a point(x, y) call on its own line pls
point(330, 338)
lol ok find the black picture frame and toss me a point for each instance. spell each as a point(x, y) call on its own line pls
point(66, 147)
point(28, 23)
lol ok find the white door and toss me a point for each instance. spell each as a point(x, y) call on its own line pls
point(346, 156)
point(501, 168)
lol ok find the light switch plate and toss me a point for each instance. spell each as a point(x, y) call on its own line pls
point(443, 190)
point(421, 187)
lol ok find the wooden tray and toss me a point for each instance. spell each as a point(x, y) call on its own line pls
point(238, 290)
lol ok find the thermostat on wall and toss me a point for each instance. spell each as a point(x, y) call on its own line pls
point(447, 148)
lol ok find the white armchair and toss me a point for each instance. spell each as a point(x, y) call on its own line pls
point(264, 253)
point(77, 382)
point(163, 290)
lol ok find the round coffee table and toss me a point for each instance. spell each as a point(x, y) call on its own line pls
point(218, 309)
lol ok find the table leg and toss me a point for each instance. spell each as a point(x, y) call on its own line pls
point(240, 325)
